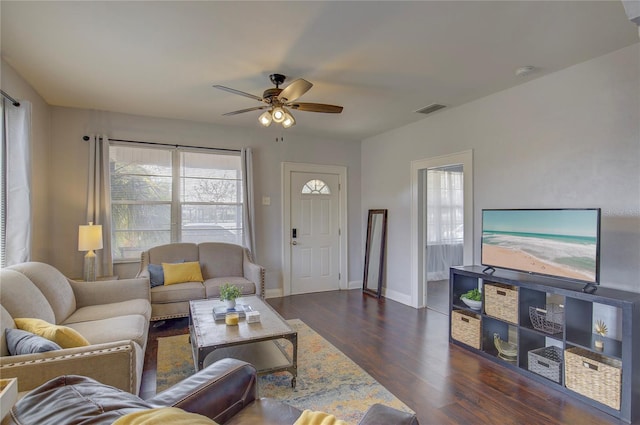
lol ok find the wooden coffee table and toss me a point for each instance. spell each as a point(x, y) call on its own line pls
point(262, 344)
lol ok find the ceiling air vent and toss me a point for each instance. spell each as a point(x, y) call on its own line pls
point(431, 108)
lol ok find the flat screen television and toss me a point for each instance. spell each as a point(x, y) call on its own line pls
point(563, 243)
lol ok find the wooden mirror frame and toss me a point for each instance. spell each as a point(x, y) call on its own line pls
point(375, 252)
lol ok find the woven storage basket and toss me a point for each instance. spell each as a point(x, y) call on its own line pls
point(465, 327)
point(501, 302)
point(549, 320)
point(593, 375)
point(547, 362)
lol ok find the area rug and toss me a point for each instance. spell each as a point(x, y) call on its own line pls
point(327, 379)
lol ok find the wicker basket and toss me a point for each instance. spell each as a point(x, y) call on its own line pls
point(593, 375)
point(501, 302)
point(465, 327)
point(549, 320)
point(547, 362)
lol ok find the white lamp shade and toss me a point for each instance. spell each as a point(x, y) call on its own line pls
point(89, 237)
point(289, 121)
point(278, 114)
point(265, 119)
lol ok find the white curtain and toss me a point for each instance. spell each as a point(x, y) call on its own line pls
point(99, 199)
point(248, 211)
point(16, 185)
point(445, 220)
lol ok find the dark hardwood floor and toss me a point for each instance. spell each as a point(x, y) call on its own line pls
point(408, 352)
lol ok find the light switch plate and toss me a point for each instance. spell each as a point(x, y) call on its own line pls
point(266, 200)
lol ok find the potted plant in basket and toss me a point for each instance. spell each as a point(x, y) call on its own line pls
point(229, 293)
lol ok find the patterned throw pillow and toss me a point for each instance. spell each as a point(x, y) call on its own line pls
point(23, 342)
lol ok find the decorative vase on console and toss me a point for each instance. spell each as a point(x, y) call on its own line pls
point(229, 293)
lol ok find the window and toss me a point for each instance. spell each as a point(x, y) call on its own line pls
point(316, 187)
point(165, 195)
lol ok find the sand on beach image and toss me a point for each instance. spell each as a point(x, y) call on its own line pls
point(520, 260)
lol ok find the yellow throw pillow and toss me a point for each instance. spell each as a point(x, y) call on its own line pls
point(182, 272)
point(162, 416)
point(310, 417)
point(64, 336)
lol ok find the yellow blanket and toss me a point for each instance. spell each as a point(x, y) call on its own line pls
point(309, 417)
point(163, 416)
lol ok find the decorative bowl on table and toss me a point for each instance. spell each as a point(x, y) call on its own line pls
point(475, 305)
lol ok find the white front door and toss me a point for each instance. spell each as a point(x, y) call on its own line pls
point(315, 232)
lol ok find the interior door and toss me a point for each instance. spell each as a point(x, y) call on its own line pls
point(315, 233)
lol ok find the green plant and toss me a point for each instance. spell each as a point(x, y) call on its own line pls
point(474, 295)
point(229, 292)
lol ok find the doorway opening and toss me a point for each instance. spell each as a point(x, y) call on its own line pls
point(442, 225)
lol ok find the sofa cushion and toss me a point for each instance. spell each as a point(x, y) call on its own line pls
point(64, 336)
point(70, 396)
point(182, 272)
point(23, 342)
point(106, 311)
point(53, 284)
point(221, 259)
point(162, 416)
point(173, 253)
point(175, 293)
point(133, 327)
point(15, 289)
point(212, 286)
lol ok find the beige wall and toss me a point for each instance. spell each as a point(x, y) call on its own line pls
point(16, 87)
point(569, 139)
point(68, 176)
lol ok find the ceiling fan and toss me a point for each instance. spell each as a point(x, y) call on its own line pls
point(277, 101)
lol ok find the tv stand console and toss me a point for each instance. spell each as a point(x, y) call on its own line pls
point(549, 325)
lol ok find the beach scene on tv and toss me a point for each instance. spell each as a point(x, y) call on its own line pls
point(552, 242)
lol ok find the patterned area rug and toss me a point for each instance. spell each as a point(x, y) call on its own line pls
point(327, 381)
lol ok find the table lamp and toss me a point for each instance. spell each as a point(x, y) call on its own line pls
point(90, 238)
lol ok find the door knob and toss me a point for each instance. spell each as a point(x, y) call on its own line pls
point(294, 243)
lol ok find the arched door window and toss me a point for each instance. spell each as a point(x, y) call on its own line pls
point(316, 187)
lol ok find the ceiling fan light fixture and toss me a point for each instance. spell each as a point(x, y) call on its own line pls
point(278, 114)
point(265, 119)
point(289, 121)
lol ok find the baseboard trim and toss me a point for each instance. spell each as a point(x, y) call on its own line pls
point(354, 284)
point(397, 296)
point(274, 293)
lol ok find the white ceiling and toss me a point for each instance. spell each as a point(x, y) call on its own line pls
point(380, 60)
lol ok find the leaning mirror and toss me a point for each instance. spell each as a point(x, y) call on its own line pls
point(374, 253)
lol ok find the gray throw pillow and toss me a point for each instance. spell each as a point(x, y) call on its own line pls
point(23, 342)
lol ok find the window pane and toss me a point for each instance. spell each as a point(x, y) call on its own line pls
point(210, 223)
point(137, 227)
point(140, 174)
point(210, 178)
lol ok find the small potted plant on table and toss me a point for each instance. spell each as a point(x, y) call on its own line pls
point(229, 293)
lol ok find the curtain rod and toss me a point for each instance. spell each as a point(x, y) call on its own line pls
point(87, 138)
point(4, 94)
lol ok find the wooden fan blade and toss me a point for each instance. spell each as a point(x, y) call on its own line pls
point(294, 90)
point(315, 107)
point(241, 93)
point(241, 111)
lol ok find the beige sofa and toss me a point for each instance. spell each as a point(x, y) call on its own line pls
point(220, 263)
point(112, 315)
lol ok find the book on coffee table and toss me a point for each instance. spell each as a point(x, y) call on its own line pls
point(220, 311)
